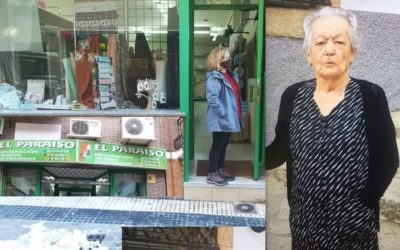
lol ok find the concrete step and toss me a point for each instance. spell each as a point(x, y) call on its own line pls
point(242, 189)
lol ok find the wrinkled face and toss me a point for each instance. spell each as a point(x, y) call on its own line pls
point(330, 51)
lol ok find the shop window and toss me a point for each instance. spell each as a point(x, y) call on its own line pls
point(129, 184)
point(78, 54)
point(20, 182)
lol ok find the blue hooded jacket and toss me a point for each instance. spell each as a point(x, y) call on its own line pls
point(222, 110)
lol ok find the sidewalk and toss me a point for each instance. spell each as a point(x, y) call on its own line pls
point(130, 211)
point(278, 236)
point(23, 219)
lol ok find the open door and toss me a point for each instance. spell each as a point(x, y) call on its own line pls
point(240, 27)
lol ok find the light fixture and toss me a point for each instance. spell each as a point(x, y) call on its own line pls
point(214, 36)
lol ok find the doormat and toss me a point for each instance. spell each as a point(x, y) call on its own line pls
point(236, 168)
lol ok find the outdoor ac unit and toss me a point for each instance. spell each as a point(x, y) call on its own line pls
point(83, 128)
point(137, 130)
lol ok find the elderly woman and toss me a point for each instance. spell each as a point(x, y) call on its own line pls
point(337, 138)
point(224, 113)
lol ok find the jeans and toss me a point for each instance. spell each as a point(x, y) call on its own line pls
point(218, 150)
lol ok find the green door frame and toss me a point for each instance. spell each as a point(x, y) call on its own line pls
point(186, 28)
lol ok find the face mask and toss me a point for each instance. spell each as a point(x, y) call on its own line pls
point(226, 64)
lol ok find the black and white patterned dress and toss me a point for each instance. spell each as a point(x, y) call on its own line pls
point(330, 167)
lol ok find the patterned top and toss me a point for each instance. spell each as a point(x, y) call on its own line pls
point(330, 168)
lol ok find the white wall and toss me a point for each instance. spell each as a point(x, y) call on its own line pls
point(384, 6)
point(65, 7)
point(245, 238)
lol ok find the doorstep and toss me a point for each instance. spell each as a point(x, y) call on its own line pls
point(242, 189)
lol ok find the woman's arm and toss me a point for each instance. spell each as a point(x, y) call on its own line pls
point(278, 151)
point(384, 157)
point(213, 89)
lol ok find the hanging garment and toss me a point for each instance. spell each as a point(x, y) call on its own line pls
point(84, 71)
point(173, 70)
point(140, 67)
point(121, 69)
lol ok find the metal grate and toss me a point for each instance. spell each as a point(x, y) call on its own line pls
point(178, 142)
point(150, 17)
point(89, 173)
point(170, 238)
point(125, 218)
point(245, 208)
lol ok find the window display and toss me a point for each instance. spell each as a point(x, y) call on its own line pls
point(20, 182)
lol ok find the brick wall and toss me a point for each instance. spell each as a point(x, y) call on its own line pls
point(166, 131)
point(166, 128)
point(157, 189)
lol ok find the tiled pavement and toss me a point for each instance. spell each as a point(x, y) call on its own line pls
point(129, 211)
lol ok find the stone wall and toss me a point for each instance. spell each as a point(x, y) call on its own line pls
point(377, 61)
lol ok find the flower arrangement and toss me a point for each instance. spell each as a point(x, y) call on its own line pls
point(148, 86)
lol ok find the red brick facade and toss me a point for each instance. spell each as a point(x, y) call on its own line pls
point(166, 131)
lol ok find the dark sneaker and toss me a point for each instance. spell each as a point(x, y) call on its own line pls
point(225, 175)
point(216, 179)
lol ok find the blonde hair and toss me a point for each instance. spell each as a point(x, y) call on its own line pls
point(216, 56)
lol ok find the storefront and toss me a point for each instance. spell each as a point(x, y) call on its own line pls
point(103, 164)
point(131, 58)
point(40, 177)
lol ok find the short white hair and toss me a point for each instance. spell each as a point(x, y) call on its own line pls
point(354, 35)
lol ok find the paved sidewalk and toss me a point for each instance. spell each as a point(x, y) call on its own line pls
point(24, 219)
point(130, 211)
point(278, 236)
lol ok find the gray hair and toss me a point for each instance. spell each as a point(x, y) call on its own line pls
point(354, 35)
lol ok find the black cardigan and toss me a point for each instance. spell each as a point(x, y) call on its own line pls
point(383, 155)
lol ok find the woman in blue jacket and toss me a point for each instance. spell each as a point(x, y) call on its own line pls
point(224, 113)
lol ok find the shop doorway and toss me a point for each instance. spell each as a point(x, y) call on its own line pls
point(31, 180)
point(239, 27)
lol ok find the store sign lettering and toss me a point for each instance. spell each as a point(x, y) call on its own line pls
point(45, 144)
point(87, 152)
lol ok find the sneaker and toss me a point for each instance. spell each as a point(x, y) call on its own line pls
point(225, 175)
point(216, 179)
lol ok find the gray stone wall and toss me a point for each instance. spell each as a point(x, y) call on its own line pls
point(378, 60)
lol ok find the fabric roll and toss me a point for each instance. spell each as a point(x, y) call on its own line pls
point(71, 84)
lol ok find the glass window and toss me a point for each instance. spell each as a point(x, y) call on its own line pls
point(20, 182)
point(76, 54)
point(129, 184)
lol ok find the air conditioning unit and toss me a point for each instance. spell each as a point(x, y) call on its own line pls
point(83, 128)
point(137, 130)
